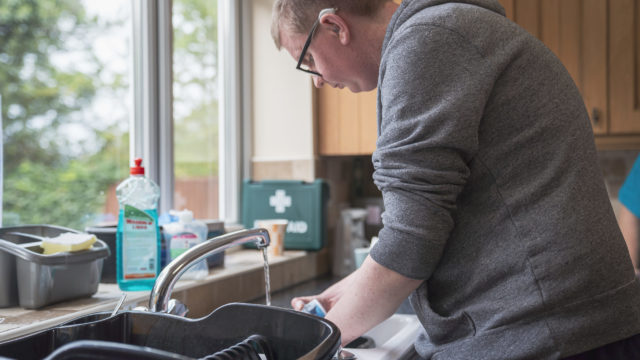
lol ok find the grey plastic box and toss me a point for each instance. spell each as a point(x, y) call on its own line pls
point(33, 280)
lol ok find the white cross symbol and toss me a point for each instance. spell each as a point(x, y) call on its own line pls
point(280, 201)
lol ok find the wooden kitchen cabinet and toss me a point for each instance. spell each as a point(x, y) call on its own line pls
point(624, 66)
point(576, 31)
point(598, 42)
point(347, 123)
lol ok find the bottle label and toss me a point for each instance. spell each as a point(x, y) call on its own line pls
point(182, 242)
point(139, 244)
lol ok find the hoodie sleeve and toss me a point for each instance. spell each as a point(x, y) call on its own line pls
point(433, 87)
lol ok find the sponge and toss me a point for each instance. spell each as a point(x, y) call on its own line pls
point(67, 242)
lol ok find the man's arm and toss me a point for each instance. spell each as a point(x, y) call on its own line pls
point(373, 294)
point(327, 298)
point(363, 299)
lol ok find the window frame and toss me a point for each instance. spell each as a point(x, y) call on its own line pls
point(151, 122)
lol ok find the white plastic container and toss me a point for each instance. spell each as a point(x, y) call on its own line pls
point(185, 234)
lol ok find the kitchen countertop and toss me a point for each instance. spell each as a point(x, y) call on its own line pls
point(241, 279)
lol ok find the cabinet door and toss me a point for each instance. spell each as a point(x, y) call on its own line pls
point(347, 122)
point(576, 31)
point(624, 74)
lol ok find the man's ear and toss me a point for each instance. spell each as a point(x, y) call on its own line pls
point(338, 26)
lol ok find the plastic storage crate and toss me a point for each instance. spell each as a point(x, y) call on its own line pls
point(34, 280)
point(301, 203)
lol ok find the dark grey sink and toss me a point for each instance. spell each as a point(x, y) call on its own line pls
point(279, 334)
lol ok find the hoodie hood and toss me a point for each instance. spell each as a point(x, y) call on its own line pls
point(408, 8)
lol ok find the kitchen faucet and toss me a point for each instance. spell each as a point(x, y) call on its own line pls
point(161, 293)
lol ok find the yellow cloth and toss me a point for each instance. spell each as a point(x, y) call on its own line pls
point(67, 242)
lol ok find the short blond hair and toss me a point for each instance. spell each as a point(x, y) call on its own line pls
point(298, 15)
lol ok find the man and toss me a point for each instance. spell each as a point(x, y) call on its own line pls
point(496, 217)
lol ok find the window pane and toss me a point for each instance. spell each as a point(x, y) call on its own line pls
point(195, 106)
point(64, 82)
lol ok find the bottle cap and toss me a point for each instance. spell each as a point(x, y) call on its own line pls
point(137, 170)
point(185, 216)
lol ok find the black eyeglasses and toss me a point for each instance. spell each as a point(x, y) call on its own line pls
point(308, 42)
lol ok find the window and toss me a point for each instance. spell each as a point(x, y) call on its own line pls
point(196, 106)
point(85, 86)
point(64, 82)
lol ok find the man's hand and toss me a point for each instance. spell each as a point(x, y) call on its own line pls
point(363, 299)
point(327, 298)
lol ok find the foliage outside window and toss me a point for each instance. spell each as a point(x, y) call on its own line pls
point(64, 109)
point(195, 106)
point(65, 82)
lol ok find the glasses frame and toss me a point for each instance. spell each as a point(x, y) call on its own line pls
point(308, 42)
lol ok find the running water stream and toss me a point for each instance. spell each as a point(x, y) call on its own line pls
point(267, 279)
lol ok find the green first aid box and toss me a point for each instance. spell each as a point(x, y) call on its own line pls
point(301, 203)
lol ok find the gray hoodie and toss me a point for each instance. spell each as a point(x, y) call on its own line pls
point(492, 191)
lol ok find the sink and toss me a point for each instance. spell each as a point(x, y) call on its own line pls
point(236, 330)
point(391, 339)
point(281, 334)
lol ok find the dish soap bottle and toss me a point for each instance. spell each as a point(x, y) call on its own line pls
point(184, 234)
point(138, 235)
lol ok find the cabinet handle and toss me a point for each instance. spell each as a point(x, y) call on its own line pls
point(595, 116)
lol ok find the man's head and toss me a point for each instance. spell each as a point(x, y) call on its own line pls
point(337, 35)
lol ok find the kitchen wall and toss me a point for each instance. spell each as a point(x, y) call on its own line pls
point(283, 135)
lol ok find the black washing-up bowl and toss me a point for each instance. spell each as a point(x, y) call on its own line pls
point(277, 334)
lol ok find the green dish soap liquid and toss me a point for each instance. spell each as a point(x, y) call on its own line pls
point(138, 234)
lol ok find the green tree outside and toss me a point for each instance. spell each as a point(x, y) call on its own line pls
point(195, 72)
point(44, 182)
point(50, 178)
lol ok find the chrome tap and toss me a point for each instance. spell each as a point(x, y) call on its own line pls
point(161, 293)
